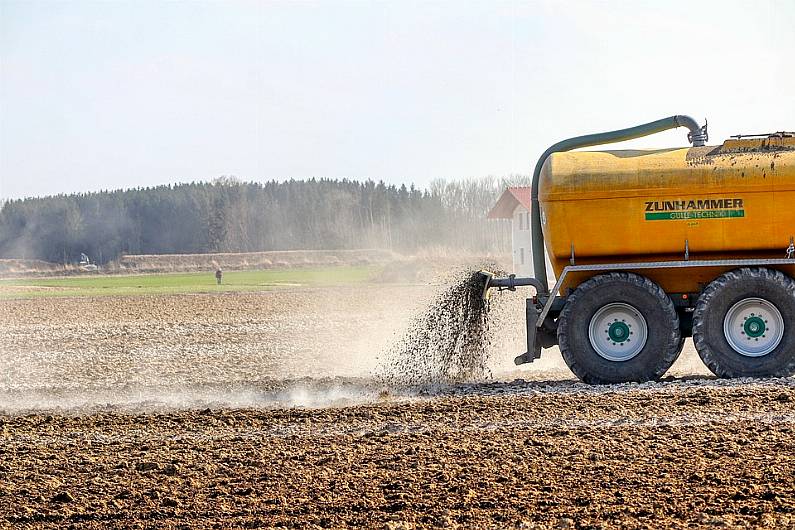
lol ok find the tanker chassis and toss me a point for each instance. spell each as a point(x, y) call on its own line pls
point(651, 247)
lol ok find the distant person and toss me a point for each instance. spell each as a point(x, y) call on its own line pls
point(218, 275)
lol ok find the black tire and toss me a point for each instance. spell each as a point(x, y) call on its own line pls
point(663, 342)
point(719, 298)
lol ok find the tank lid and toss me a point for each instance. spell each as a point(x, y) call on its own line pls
point(744, 143)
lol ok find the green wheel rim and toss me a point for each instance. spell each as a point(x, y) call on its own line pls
point(754, 327)
point(618, 332)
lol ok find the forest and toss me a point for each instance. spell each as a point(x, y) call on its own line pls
point(227, 215)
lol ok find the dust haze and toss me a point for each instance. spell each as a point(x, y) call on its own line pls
point(298, 348)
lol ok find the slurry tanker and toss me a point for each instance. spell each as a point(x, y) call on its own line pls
point(652, 246)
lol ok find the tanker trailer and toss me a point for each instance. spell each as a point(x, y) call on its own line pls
point(649, 247)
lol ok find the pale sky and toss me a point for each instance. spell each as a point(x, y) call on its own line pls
point(106, 95)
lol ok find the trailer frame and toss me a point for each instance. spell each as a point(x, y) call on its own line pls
point(543, 308)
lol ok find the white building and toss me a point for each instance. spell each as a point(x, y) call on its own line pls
point(515, 204)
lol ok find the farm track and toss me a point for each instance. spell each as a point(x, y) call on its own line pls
point(155, 412)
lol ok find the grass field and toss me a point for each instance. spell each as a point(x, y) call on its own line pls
point(180, 283)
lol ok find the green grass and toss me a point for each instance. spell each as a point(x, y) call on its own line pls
point(180, 283)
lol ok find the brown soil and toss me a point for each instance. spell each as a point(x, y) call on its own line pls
point(663, 458)
point(251, 410)
point(76, 345)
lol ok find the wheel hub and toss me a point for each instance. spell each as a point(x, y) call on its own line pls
point(753, 327)
point(618, 332)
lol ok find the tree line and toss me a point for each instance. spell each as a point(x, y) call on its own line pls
point(227, 215)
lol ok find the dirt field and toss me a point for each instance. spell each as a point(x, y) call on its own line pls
point(244, 410)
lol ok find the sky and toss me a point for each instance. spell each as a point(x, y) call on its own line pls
point(113, 94)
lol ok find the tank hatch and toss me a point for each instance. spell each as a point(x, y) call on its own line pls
point(750, 143)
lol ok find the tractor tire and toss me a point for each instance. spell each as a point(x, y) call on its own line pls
point(744, 324)
point(680, 347)
point(602, 318)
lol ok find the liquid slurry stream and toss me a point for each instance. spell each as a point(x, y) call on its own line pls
point(448, 343)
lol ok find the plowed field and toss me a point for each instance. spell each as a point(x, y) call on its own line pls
point(249, 410)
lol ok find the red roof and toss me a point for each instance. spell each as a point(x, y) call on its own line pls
point(508, 201)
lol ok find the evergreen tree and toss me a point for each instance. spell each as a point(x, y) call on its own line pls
point(227, 215)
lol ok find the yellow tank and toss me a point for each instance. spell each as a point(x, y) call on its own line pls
point(736, 200)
